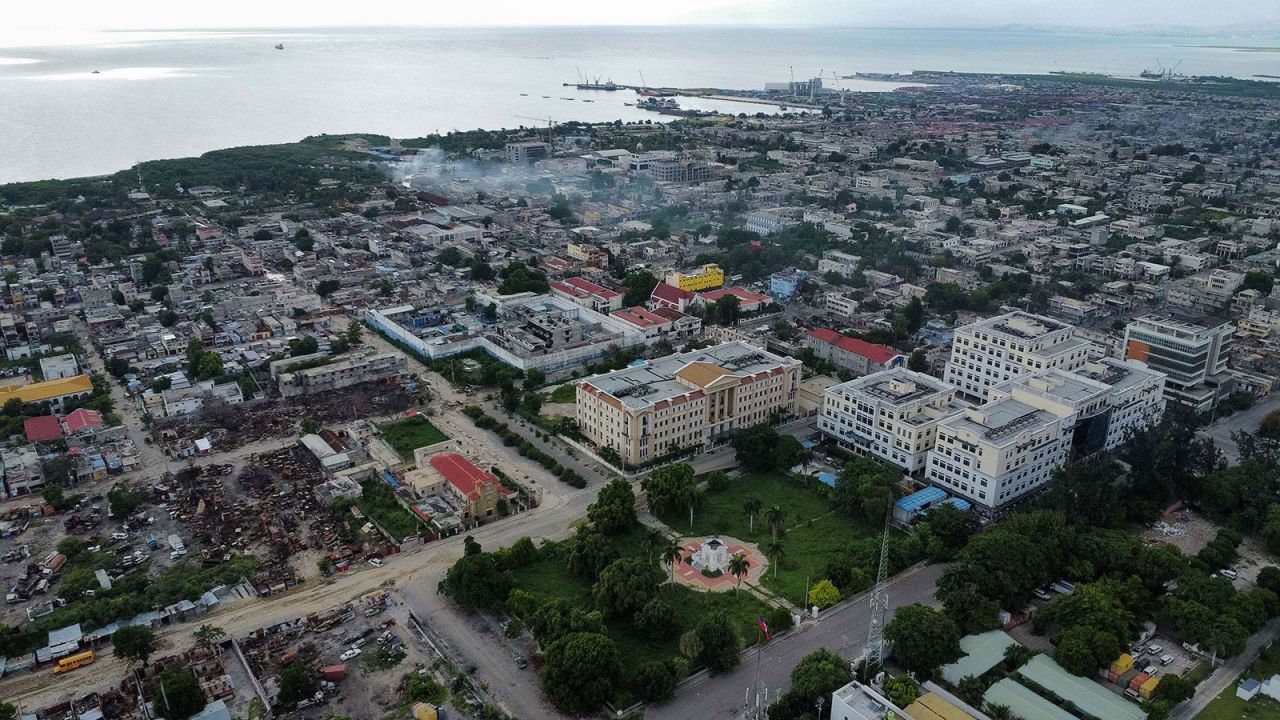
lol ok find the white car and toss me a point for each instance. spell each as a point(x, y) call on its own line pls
point(376, 562)
point(349, 654)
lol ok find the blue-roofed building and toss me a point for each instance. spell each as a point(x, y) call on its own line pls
point(906, 510)
point(958, 503)
point(785, 284)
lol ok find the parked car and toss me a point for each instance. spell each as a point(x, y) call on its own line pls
point(1229, 574)
point(376, 562)
point(520, 661)
point(353, 652)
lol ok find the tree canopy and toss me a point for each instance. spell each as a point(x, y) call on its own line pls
point(579, 671)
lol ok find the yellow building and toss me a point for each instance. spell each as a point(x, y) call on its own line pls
point(55, 392)
point(685, 400)
point(707, 277)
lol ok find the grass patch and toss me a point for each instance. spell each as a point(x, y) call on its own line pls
point(814, 532)
point(566, 393)
point(409, 434)
point(1229, 707)
point(380, 658)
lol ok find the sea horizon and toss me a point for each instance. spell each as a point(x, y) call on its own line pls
point(176, 93)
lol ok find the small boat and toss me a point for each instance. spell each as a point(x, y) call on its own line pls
point(279, 46)
point(588, 101)
point(524, 94)
point(96, 72)
point(546, 97)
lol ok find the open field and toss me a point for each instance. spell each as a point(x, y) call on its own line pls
point(409, 434)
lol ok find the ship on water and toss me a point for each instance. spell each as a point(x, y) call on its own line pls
point(586, 83)
point(279, 46)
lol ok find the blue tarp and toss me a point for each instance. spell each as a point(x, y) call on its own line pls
point(960, 503)
point(921, 499)
point(391, 480)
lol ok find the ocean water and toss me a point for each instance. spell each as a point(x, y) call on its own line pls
point(173, 94)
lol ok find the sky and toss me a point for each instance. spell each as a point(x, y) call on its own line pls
point(47, 21)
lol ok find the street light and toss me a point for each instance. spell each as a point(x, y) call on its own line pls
point(819, 702)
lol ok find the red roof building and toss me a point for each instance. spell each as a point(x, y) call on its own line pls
point(859, 356)
point(669, 296)
point(476, 489)
point(43, 428)
point(588, 294)
point(747, 301)
point(83, 421)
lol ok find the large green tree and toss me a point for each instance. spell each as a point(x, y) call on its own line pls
point(669, 487)
point(181, 696)
point(625, 586)
point(296, 683)
point(475, 582)
point(135, 643)
point(579, 671)
point(922, 638)
point(720, 641)
point(817, 675)
point(614, 510)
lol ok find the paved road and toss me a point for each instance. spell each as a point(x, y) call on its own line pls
point(1225, 676)
point(843, 630)
point(1246, 420)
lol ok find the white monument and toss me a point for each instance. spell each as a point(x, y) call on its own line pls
point(713, 556)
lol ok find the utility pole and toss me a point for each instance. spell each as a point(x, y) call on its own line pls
point(879, 602)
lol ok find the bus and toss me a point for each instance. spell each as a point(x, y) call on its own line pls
point(71, 662)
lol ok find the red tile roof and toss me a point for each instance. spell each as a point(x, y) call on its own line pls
point(670, 293)
point(743, 294)
point(588, 286)
point(80, 419)
point(43, 428)
point(460, 473)
point(876, 353)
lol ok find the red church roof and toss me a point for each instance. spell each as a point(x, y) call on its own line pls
point(460, 473)
point(670, 293)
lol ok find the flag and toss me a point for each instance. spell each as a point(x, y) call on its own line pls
point(765, 628)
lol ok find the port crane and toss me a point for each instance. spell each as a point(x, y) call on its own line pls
point(550, 126)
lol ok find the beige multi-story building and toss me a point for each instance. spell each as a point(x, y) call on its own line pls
point(1004, 347)
point(691, 399)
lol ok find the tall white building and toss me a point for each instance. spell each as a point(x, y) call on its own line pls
point(999, 452)
point(1004, 347)
point(891, 415)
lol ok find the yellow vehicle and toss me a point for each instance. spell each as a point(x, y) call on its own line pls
point(71, 662)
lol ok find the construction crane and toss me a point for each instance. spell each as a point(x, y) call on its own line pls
point(550, 125)
point(835, 77)
point(874, 654)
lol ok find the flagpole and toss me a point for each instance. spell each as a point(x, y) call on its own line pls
point(756, 682)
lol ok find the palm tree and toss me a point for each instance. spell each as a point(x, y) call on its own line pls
point(206, 636)
point(751, 507)
point(653, 540)
point(738, 567)
point(775, 551)
point(776, 516)
point(695, 496)
point(671, 554)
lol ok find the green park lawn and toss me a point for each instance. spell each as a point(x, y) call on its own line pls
point(813, 531)
point(1229, 707)
point(409, 434)
point(549, 578)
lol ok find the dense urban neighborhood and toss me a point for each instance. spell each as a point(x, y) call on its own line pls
point(953, 402)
